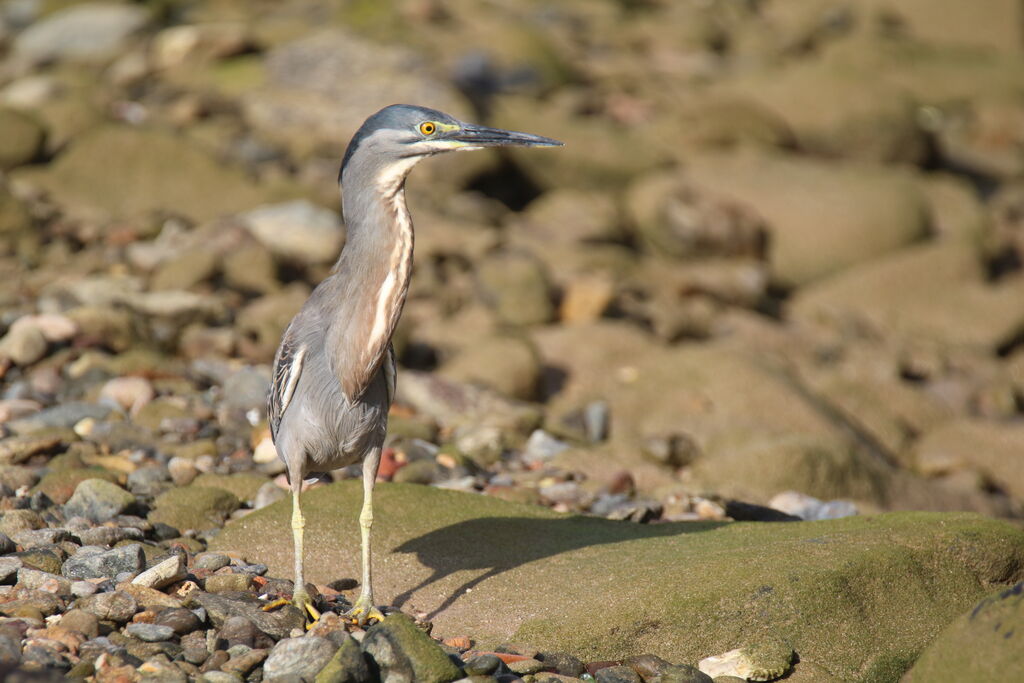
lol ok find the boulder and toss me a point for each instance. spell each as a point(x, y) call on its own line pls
point(835, 111)
point(935, 292)
point(994, 450)
point(193, 507)
point(22, 140)
point(822, 217)
point(888, 583)
point(403, 652)
point(981, 645)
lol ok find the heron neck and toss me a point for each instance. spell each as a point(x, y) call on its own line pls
point(372, 276)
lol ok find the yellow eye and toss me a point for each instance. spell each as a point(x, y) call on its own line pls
point(427, 128)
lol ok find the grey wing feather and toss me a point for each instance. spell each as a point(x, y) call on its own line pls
point(287, 369)
point(390, 373)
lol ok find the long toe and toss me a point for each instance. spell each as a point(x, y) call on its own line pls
point(300, 600)
point(364, 612)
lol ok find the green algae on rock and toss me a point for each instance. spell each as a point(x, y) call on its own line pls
point(982, 645)
point(193, 507)
point(679, 590)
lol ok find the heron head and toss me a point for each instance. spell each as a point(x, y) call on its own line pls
point(401, 134)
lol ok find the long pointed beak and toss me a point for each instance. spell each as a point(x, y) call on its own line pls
point(482, 136)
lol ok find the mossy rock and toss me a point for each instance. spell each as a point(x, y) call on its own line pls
point(982, 645)
point(243, 485)
point(683, 591)
point(122, 172)
point(60, 484)
point(194, 507)
point(22, 140)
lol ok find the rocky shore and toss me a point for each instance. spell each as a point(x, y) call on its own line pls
point(729, 388)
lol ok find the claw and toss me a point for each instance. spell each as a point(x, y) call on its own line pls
point(363, 612)
point(301, 600)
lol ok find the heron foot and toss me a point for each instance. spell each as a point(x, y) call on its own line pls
point(364, 611)
point(301, 600)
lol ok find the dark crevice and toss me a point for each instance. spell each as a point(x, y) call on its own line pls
point(508, 184)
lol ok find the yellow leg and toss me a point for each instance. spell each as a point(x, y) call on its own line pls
point(365, 610)
point(300, 597)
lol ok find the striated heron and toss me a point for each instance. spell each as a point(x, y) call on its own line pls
point(334, 372)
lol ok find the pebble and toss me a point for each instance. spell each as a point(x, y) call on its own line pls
point(108, 535)
point(118, 607)
point(210, 561)
point(617, 674)
point(91, 562)
point(163, 573)
point(542, 447)
point(179, 619)
point(129, 394)
point(9, 567)
point(150, 633)
point(810, 508)
point(222, 583)
point(98, 500)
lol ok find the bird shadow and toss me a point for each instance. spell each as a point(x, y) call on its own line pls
point(494, 545)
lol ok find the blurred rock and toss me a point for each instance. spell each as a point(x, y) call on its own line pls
point(24, 345)
point(936, 292)
point(869, 210)
point(251, 269)
point(142, 171)
point(311, 80)
point(516, 286)
point(22, 140)
point(834, 112)
point(673, 218)
point(994, 450)
point(191, 43)
point(297, 231)
point(810, 508)
point(98, 500)
point(186, 270)
point(129, 394)
point(506, 364)
point(88, 32)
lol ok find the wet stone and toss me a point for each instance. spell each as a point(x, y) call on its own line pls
point(90, 564)
point(14, 521)
point(210, 561)
point(617, 674)
point(482, 665)
point(98, 500)
point(277, 624)
point(223, 583)
point(34, 579)
point(179, 619)
point(81, 621)
point(348, 665)
point(6, 544)
point(108, 535)
point(237, 631)
point(43, 559)
point(34, 538)
point(563, 663)
point(300, 658)
point(118, 607)
point(9, 567)
point(150, 633)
